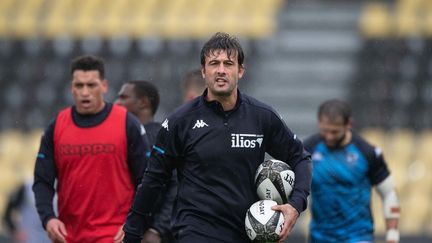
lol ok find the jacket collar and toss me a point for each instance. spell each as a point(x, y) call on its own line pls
point(217, 106)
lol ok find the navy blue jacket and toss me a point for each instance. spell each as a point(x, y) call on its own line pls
point(216, 154)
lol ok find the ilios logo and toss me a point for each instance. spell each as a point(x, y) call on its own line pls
point(246, 140)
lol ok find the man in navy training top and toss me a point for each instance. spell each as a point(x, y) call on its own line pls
point(345, 168)
point(96, 152)
point(141, 98)
point(216, 142)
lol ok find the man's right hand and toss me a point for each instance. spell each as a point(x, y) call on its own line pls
point(56, 230)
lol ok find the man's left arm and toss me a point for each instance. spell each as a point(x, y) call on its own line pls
point(379, 175)
point(391, 208)
point(286, 146)
point(138, 147)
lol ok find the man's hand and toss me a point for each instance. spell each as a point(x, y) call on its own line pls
point(290, 215)
point(56, 230)
point(151, 236)
point(118, 238)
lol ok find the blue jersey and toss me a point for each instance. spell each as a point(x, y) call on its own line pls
point(341, 189)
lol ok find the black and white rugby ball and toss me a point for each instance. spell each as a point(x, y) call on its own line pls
point(274, 180)
point(262, 223)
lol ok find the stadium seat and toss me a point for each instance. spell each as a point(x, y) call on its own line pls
point(27, 18)
point(92, 45)
point(374, 136)
point(375, 21)
point(142, 18)
point(55, 23)
point(120, 46)
point(5, 8)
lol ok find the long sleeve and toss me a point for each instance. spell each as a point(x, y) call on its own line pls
point(45, 173)
point(162, 217)
point(138, 146)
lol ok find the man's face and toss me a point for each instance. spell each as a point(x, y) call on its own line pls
point(333, 131)
point(222, 73)
point(128, 99)
point(88, 90)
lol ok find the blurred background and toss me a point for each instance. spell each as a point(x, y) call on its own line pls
point(375, 54)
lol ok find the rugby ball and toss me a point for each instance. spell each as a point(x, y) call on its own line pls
point(262, 223)
point(274, 180)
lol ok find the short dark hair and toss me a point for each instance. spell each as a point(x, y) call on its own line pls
point(88, 63)
point(222, 41)
point(193, 78)
point(334, 109)
point(144, 88)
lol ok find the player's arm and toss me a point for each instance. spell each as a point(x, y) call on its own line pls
point(137, 146)
point(379, 175)
point(390, 202)
point(45, 173)
point(14, 202)
point(157, 173)
point(285, 146)
point(162, 217)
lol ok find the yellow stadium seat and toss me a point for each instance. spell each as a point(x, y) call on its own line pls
point(374, 136)
point(142, 18)
point(5, 8)
point(375, 21)
point(415, 200)
point(428, 21)
point(114, 20)
point(56, 22)
point(399, 153)
point(85, 23)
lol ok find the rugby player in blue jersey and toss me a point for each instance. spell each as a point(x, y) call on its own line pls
point(345, 168)
point(216, 142)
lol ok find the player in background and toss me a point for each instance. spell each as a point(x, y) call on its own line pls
point(193, 85)
point(217, 142)
point(345, 167)
point(96, 152)
point(141, 98)
point(25, 227)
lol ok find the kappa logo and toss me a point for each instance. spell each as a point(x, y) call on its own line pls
point(165, 124)
point(246, 140)
point(143, 131)
point(200, 124)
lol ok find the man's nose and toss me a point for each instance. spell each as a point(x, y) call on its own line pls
point(221, 68)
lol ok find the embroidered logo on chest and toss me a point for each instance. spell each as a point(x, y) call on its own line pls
point(246, 140)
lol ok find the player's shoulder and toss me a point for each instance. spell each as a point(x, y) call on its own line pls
point(184, 112)
point(370, 151)
point(255, 103)
point(311, 142)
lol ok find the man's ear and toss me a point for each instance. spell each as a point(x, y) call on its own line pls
point(350, 123)
point(144, 102)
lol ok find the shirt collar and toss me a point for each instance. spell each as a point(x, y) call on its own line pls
point(217, 106)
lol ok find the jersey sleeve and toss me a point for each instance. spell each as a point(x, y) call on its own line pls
point(286, 146)
point(158, 172)
point(45, 173)
point(138, 147)
point(378, 169)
